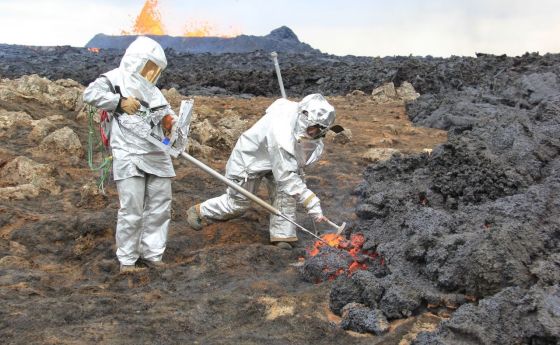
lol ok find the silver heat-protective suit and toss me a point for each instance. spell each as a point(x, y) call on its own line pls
point(276, 149)
point(142, 170)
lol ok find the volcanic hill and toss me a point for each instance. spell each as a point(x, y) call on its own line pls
point(282, 39)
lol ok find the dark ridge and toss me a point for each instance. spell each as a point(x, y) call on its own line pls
point(282, 39)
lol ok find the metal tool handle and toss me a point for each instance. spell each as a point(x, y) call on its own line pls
point(339, 228)
point(278, 74)
point(332, 224)
point(245, 192)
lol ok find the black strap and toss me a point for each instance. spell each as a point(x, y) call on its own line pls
point(118, 88)
point(115, 90)
point(111, 85)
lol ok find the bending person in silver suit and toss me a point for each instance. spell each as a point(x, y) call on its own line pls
point(276, 149)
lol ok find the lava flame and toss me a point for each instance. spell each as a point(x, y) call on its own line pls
point(206, 29)
point(198, 30)
point(149, 22)
point(353, 246)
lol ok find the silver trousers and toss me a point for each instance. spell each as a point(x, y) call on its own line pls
point(143, 218)
point(232, 204)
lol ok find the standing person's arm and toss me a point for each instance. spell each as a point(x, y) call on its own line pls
point(100, 95)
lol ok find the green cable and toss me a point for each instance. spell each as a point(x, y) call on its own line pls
point(104, 167)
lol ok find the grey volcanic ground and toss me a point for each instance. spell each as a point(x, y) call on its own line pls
point(474, 225)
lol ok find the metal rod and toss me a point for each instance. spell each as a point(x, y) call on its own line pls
point(245, 192)
point(304, 229)
point(315, 231)
point(278, 74)
point(302, 175)
point(333, 224)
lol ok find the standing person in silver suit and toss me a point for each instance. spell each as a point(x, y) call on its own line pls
point(142, 171)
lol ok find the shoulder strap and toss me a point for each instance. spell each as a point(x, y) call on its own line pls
point(113, 89)
point(109, 83)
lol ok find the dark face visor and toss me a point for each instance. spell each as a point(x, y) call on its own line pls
point(316, 131)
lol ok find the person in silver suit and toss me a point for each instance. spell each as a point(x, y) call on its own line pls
point(275, 150)
point(142, 171)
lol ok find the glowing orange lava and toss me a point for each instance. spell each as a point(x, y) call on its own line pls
point(333, 240)
point(148, 21)
point(353, 246)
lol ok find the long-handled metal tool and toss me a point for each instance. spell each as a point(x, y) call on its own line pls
point(278, 74)
point(248, 194)
point(274, 56)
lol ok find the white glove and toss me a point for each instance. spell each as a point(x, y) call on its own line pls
point(313, 206)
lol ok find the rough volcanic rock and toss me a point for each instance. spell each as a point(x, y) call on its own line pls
point(477, 217)
point(24, 178)
point(252, 73)
point(359, 318)
point(11, 120)
point(389, 93)
point(41, 128)
point(379, 154)
point(513, 316)
point(326, 265)
point(62, 142)
point(63, 94)
point(342, 138)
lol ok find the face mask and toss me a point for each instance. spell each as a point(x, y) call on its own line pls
point(151, 72)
